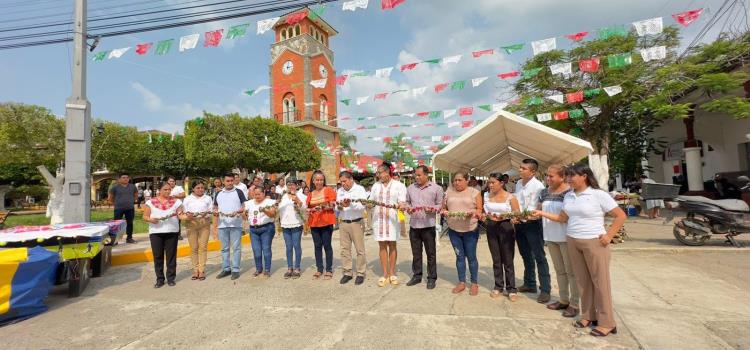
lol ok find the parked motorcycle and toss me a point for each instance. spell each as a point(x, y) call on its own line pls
point(703, 217)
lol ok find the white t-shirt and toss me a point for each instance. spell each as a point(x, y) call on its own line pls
point(528, 195)
point(256, 216)
point(195, 204)
point(586, 212)
point(147, 194)
point(288, 215)
point(177, 190)
point(164, 226)
point(229, 201)
point(242, 187)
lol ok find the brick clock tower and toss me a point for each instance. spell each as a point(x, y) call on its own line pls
point(299, 55)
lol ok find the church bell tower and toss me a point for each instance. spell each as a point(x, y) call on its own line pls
point(303, 83)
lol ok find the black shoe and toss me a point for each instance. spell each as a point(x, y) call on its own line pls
point(345, 279)
point(430, 284)
point(235, 275)
point(159, 284)
point(223, 274)
point(525, 289)
point(171, 283)
point(359, 280)
point(543, 298)
point(130, 240)
point(413, 281)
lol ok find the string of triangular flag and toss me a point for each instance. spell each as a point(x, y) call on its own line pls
point(652, 26)
point(591, 65)
point(214, 37)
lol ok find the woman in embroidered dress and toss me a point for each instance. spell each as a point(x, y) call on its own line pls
point(386, 227)
point(161, 214)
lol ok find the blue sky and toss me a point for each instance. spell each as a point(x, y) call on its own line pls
point(162, 92)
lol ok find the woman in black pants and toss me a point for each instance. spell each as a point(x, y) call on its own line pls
point(501, 236)
point(163, 228)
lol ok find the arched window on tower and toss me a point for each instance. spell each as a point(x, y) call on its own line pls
point(297, 30)
point(289, 109)
point(284, 34)
point(323, 109)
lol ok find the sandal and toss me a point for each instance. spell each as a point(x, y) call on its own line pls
point(317, 275)
point(288, 274)
point(328, 275)
point(494, 294)
point(296, 274)
point(394, 280)
point(257, 273)
point(201, 276)
point(382, 282)
point(459, 288)
point(579, 324)
point(513, 297)
point(474, 291)
point(597, 333)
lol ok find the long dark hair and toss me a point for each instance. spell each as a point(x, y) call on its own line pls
point(581, 169)
point(312, 179)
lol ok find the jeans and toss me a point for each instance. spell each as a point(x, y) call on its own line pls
point(260, 240)
point(501, 240)
point(129, 214)
point(419, 237)
point(465, 246)
point(322, 240)
point(231, 236)
point(164, 244)
point(293, 241)
point(531, 245)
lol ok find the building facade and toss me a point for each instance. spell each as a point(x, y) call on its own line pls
point(303, 83)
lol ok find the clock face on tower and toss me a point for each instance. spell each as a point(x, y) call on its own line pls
point(287, 67)
point(323, 71)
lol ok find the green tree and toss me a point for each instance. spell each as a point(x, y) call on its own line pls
point(395, 150)
point(119, 148)
point(231, 141)
point(710, 71)
point(629, 71)
point(29, 136)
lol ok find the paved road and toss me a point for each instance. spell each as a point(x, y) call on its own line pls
point(666, 297)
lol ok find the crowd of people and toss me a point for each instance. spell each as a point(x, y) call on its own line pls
point(566, 216)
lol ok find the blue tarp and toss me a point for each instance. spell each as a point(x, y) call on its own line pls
point(25, 281)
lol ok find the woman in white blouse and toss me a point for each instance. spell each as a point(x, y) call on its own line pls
point(260, 212)
point(501, 236)
point(588, 241)
point(197, 212)
point(291, 209)
point(386, 227)
point(161, 213)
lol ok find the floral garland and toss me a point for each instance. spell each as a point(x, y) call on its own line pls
point(200, 214)
point(164, 218)
point(522, 215)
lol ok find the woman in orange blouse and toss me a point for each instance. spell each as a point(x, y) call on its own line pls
point(321, 218)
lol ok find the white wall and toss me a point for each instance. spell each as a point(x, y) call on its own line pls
point(723, 134)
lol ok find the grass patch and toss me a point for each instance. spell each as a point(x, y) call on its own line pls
point(139, 226)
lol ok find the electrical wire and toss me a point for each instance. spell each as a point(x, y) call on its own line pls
point(159, 19)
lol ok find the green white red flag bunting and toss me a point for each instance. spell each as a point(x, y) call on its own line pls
point(354, 5)
point(650, 26)
point(687, 17)
point(544, 45)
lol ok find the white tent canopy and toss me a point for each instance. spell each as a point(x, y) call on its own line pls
point(503, 140)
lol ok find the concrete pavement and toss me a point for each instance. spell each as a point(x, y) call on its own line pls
point(666, 297)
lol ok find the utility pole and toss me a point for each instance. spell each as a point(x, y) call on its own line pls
point(77, 192)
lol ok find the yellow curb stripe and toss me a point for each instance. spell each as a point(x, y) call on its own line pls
point(183, 250)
